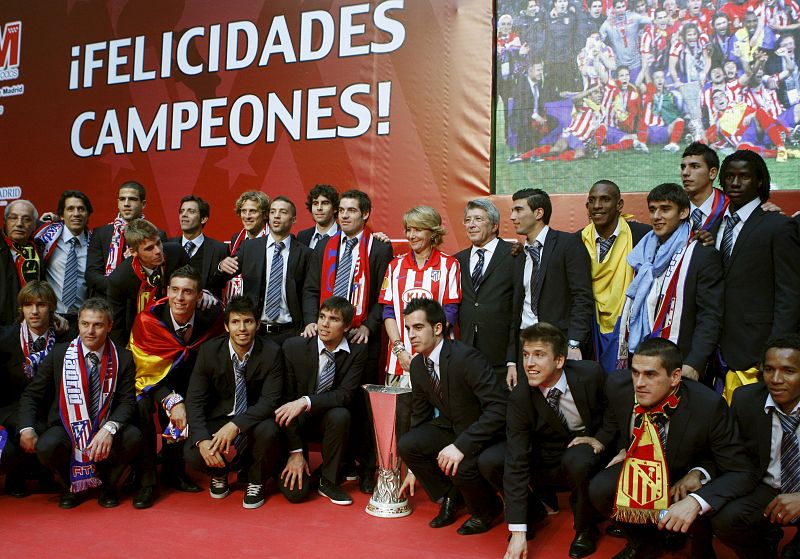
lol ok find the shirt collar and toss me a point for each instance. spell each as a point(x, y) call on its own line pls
point(436, 352)
point(561, 385)
point(67, 236)
point(99, 353)
point(344, 237)
point(597, 236)
point(175, 325)
point(745, 211)
point(233, 351)
point(489, 247)
point(541, 236)
point(286, 242)
point(197, 241)
point(332, 230)
point(770, 405)
point(343, 345)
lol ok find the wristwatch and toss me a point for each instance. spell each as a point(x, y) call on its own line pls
point(111, 427)
point(574, 344)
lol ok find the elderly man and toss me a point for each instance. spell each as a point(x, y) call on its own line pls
point(20, 260)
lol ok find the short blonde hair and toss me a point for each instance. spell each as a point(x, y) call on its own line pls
point(261, 199)
point(139, 231)
point(425, 217)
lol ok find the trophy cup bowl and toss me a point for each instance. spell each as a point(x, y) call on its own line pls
point(386, 501)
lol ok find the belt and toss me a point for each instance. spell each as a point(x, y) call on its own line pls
point(274, 328)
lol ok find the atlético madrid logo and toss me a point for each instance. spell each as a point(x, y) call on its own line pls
point(10, 48)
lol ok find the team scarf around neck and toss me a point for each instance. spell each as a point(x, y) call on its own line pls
point(27, 261)
point(150, 287)
point(718, 207)
point(235, 286)
point(359, 288)
point(116, 250)
point(34, 358)
point(48, 235)
point(74, 409)
point(643, 484)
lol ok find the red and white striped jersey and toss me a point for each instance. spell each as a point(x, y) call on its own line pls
point(654, 41)
point(439, 279)
point(764, 98)
point(778, 15)
point(621, 106)
point(735, 90)
point(650, 113)
point(703, 20)
point(709, 105)
point(585, 120)
point(730, 126)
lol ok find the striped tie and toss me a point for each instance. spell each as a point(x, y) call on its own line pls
point(552, 398)
point(790, 453)
point(315, 239)
point(94, 384)
point(660, 423)
point(437, 386)
point(605, 245)
point(239, 399)
point(273, 308)
point(327, 374)
point(69, 294)
point(727, 237)
point(535, 252)
point(189, 247)
point(697, 219)
point(477, 271)
point(343, 269)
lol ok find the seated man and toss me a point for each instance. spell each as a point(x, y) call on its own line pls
point(233, 392)
point(766, 414)
point(551, 422)
point(679, 428)
point(323, 374)
point(23, 347)
point(88, 385)
point(165, 340)
point(443, 451)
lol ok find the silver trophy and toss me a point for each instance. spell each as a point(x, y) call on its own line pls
point(386, 501)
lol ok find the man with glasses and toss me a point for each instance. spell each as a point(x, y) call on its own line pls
point(20, 260)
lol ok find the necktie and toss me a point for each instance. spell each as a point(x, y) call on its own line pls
point(189, 247)
point(327, 374)
point(605, 245)
point(660, 423)
point(70, 288)
point(790, 453)
point(239, 400)
point(552, 399)
point(94, 384)
point(184, 332)
point(437, 386)
point(39, 344)
point(535, 252)
point(727, 236)
point(697, 219)
point(316, 239)
point(273, 307)
point(477, 271)
point(343, 270)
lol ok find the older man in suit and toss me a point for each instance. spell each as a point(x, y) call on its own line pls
point(20, 258)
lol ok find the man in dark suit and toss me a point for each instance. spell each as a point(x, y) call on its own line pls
point(702, 449)
point(761, 259)
point(552, 283)
point(204, 252)
point(107, 248)
point(141, 278)
point(551, 421)
point(94, 366)
point(166, 337)
point(233, 392)
point(322, 203)
point(766, 415)
point(443, 451)
point(274, 269)
point(20, 258)
point(487, 288)
point(323, 374)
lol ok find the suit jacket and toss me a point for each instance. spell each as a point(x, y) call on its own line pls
point(484, 318)
point(9, 279)
point(43, 392)
point(379, 258)
point(306, 235)
point(301, 356)
point(638, 230)
point(123, 290)
point(535, 435)
point(701, 432)
point(473, 403)
point(96, 256)
point(205, 261)
point(213, 386)
point(755, 426)
point(762, 287)
point(566, 299)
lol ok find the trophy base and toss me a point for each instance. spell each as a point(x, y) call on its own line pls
point(388, 510)
point(386, 501)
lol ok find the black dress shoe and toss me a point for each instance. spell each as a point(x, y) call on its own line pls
point(584, 543)
point(145, 497)
point(182, 483)
point(16, 486)
point(448, 513)
point(638, 553)
point(475, 525)
point(615, 531)
point(69, 500)
point(366, 483)
point(108, 497)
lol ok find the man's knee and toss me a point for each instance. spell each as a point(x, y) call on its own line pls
point(337, 419)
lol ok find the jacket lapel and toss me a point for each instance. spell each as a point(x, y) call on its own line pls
point(466, 277)
point(578, 391)
point(763, 430)
point(677, 425)
point(501, 251)
point(546, 412)
point(749, 226)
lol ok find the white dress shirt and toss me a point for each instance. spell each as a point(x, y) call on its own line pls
point(528, 318)
point(744, 214)
point(332, 230)
point(488, 249)
point(197, 242)
point(773, 475)
point(284, 316)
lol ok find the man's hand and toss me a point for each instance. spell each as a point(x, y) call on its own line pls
point(770, 207)
point(783, 509)
point(687, 371)
point(293, 472)
point(689, 483)
point(222, 440)
point(449, 458)
point(207, 300)
point(574, 353)
point(517, 248)
point(178, 416)
point(100, 446)
point(705, 237)
point(27, 440)
point(617, 459)
point(52, 217)
point(310, 330)
point(60, 324)
point(212, 458)
point(383, 237)
point(285, 414)
point(517, 546)
point(596, 445)
point(404, 358)
point(511, 376)
point(680, 515)
point(359, 335)
point(409, 483)
point(229, 265)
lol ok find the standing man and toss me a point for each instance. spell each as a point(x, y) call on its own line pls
point(273, 269)
point(65, 244)
point(252, 207)
point(552, 283)
point(443, 451)
point(204, 252)
point(487, 287)
point(88, 385)
point(20, 257)
point(609, 239)
point(233, 392)
point(699, 167)
point(322, 203)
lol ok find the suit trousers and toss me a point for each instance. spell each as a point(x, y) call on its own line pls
point(263, 449)
point(172, 453)
point(332, 429)
point(741, 524)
